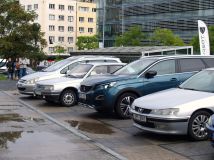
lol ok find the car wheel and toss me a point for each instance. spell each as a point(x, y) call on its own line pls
point(68, 98)
point(197, 125)
point(123, 105)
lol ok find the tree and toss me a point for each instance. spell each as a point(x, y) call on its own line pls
point(59, 49)
point(195, 41)
point(132, 37)
point(19, 36)
point(87, 42)
point(166, 37)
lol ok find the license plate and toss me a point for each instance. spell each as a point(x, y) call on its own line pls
point(38, 92)
point(139, 117)
point(20, 85)
point(82, 96)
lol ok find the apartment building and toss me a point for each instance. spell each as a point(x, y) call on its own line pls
point(60, 21)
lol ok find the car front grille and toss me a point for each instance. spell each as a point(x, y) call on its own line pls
point(84, 88)
point(38, 86)
point(142, 110)
point(22, 81)
point(147, 124)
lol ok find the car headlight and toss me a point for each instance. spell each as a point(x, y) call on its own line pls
point(168, 111)
point(210, 122)
point(106, 86)
point(49, 88)
point(32, 81)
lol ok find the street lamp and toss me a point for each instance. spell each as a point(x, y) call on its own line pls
point(104, 18)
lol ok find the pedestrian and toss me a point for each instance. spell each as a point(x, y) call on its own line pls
point(10, 69)
point(23, 66)
point(17, 69)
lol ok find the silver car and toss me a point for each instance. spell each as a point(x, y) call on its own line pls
point(27, 83)
point(65, 89)
point(183, 110)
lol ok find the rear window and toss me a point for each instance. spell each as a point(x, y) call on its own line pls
point(190, 65)
point(209, 61)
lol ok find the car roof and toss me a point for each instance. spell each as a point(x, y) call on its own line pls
point(92, 57)
point(103, 64)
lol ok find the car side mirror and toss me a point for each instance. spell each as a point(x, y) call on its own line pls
point(150, 74)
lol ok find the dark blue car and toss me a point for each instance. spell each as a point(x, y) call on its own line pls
point(210, 128)
point(145, 76)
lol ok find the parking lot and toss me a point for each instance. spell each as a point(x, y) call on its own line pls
point(120, 135)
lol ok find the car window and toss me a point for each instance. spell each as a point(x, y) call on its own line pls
point(99, 70)
point(164, 67)
point(110, 61)
point(71, 66)
point(189, 65)
point(79, 71)
point(114, 68)
point(209, 61)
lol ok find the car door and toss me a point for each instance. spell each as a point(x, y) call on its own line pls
point(166, 77)
point(188, 67)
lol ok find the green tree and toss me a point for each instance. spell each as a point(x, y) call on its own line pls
point(59, 49)
point(87, 42)
point(19, 36)
point(132, 37)
point(166, 37)
point(195, 41)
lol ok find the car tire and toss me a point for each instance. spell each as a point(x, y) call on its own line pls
point(123, 103)
point(197, 125)
point(68, 98)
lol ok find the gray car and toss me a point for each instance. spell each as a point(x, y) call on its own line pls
point(65, 89)
point(183, 110)
point(27, 83)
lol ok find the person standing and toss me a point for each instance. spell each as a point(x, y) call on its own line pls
point(23, 66)
point(10, 68)
point(17, 69)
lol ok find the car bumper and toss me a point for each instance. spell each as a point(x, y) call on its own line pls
point(27, 89)
point(47, 94)
point(163, 126)
point(210, 134)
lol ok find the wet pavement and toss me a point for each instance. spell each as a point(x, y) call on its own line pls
point(117, 135)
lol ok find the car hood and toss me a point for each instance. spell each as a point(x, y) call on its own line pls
point(94, 80)
point(172, 98)
point(59, 81)
point(40, 75)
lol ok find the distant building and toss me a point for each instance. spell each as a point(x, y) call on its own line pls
point(178, 15)
point(63, 21)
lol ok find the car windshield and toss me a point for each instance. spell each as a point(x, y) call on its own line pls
point(79, 71)
point(203, 81)
point(135, 67)
point(58, 65)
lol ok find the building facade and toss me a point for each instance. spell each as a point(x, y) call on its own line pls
point(178, 15)
point(61, 21)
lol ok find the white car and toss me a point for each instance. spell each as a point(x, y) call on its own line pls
point(183, 110)
point(65, 89)
point(3, 68)
point(27, 83)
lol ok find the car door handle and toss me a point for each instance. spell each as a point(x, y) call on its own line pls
point(173, 79)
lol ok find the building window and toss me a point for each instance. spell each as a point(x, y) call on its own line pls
point(23, 7)
point(51, 39)
point(51, 6)
point(70, 49)
point(81, 29)
point(81, 19)
point(70, 8)
point(83, 9)
point(61, 18)
point(36, 6)
point(70, 29)
point(29, 7)
point(70, 18)
point(94, 9)
point(70, 39)
point(90, 20)
point(51, 17)
point(90, 30)
point(61, 7)
point(51, 49)
point(61, 39)
point(61, 28)
point(51, 28)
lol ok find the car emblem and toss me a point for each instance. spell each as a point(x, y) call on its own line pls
point(141, 110)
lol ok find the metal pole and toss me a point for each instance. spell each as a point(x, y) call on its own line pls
point(104, 18)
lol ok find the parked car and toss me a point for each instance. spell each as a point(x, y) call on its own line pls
point(29, 70)
point(182, 110)
point(65, 89)
point(117, 92)
point(210, 129)
point(27, 83)
point(3, 68)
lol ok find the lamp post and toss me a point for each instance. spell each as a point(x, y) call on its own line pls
point(104, 18)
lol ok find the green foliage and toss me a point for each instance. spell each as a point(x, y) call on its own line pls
point(19, 36)
point(132, 37)
point(59, 49)
point(87, 42)
point(3, 77)
point(166, 37)
point(195, 41)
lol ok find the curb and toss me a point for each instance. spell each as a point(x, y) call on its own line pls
point(70, 129)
